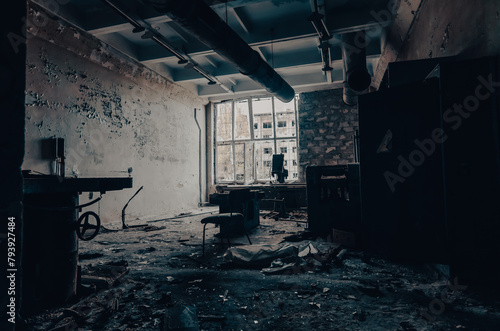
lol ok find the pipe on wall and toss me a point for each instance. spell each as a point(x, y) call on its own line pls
point(356, 76)
point(199, 19)
point(199, 158)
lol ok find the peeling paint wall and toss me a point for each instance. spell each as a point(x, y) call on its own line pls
point(469, 28)
point(113, 114)
point(327, 126)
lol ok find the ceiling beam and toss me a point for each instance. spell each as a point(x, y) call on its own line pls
point(241, 18)
point(300, 30)
point(103, 23)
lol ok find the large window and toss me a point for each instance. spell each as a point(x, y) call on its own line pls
point(248, 132)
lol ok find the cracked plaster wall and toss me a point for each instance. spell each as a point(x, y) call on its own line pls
point(113, 114)
point(469, 28)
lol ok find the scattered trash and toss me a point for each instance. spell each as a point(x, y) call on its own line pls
point(181, 318)
point(314, 304)
point(224, 297)
point(278, 268)
point(308, 250)
point(284, 258)
point(326, 289)
point(300, 236)
point(170, 279)
point(195, 281)
point(258, 255)
point(104, 276)
point(149, 228)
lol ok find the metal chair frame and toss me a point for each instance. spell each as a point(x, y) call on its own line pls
point(236, 197)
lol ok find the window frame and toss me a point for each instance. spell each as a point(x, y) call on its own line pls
point(253, 139)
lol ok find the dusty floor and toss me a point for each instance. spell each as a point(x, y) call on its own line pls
point(165, 270)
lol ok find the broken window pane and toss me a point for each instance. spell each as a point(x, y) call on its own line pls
point(239, 151)
point(285, 118)
point(242, 120)
point(263, 160)
point(224, 114)
point(263, 116)
point(249, 163)
point(224, 166)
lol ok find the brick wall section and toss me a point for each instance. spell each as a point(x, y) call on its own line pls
point(327, 126)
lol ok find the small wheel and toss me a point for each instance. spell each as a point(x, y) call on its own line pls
point(84, 224)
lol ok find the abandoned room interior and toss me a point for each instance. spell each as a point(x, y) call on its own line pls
point(250, 165)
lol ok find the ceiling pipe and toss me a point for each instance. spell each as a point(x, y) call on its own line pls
point(150, 34)
point(199, 19)
point(356, 76)
point(137, 26)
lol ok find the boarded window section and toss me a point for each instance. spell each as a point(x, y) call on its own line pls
point(285, 118)
point(263, 117)
point(241, 120)
point(225, 164)
point(283, 150)
point(224, 115)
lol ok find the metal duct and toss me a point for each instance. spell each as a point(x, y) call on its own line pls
point(200, 20)
point(356, 76)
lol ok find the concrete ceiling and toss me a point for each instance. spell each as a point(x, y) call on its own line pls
point(278, 29)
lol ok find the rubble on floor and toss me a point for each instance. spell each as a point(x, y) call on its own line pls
point(316, 285)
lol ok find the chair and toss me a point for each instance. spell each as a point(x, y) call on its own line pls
point(237, 201)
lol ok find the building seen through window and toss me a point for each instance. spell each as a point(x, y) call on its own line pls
point(248, 132)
